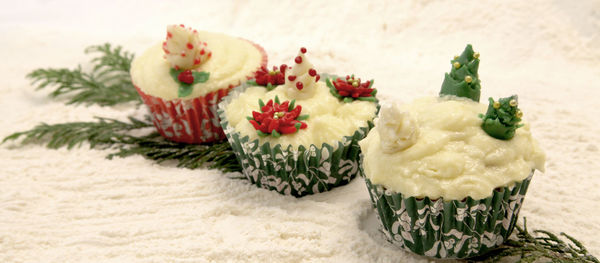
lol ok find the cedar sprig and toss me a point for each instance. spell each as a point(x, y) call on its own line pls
point(107, 133)
point(108, 83)
point(101, 133)
point(153, 146)
point(541, 246)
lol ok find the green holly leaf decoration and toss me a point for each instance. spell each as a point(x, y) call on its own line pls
point(185, 89)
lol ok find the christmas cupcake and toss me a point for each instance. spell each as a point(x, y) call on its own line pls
point(446, 175)
point(295, 131)
point(183, 79)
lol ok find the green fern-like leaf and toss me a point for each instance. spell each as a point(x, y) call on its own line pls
point(114, 134)
point(107, 84)
point(541, 246)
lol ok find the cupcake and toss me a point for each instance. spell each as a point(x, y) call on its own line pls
point(295, 131)
point(183, 79)
point(448, 175)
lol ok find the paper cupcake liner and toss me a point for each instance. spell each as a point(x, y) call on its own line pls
point(453, 229)
point(190, 120)
point(294, 171)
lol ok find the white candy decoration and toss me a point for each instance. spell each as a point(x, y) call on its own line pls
point(302, 79)
point(183, 48)
point(397, 129)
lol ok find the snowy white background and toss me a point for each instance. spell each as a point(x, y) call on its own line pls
point(61, 206)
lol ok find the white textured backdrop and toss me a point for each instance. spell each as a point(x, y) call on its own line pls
point(61, 206)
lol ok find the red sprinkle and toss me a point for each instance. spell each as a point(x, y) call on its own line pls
point(312, 72)
point(196, 61)
point(202, 52)
point(169, 35)
point(283, 67)
point(318, 78)
point(299, 85)
point(182, 54)
point(190, 46)
point(291, 77)
point(210, 54)
point(298, 60)
point(303, 50)
point(181, 25)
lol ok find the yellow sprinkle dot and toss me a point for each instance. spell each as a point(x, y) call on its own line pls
point(476, 55)
point(513, 103)
point(468, 79)
point(496, 105)
point(355, 84)
point(456, 65)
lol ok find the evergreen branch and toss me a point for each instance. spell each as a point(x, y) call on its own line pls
point(192, 156)
point(102, 132)
point(108, 83)
point(110, 133)
point(541, 245)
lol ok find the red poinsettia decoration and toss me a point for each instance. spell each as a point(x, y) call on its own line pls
point(278, 118)
point(352, 88)
point(270, 78)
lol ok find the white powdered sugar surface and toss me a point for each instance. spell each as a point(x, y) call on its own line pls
point(76, 206)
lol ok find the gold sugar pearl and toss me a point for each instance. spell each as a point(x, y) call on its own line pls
point(476, 55)
point(519, 114)
point(468, 79)
point(355, 84)
point(455, 57)
point(456, 65)
point(496, 105)
point(513, 103)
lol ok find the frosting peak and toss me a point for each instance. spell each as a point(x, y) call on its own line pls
point(183, 48)
point(397, 129)
point(302, 79)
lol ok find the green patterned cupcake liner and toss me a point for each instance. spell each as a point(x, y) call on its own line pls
point(296, 171)
point(454, 229)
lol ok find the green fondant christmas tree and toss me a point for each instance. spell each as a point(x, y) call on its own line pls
point(502, 118)
point(463, 79)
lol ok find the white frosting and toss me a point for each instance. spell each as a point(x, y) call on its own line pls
point(301, 72)
point(233, 60)
point(452, 157)
point(397, 129)
point(330, 119)
point(183, 48)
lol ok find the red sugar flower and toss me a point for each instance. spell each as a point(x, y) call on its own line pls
point(352, 88)
point(270, 78)
point(278, 118)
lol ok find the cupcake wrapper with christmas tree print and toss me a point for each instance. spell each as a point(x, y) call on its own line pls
point(294, 171)
point(453, 229)
point(191, 120)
